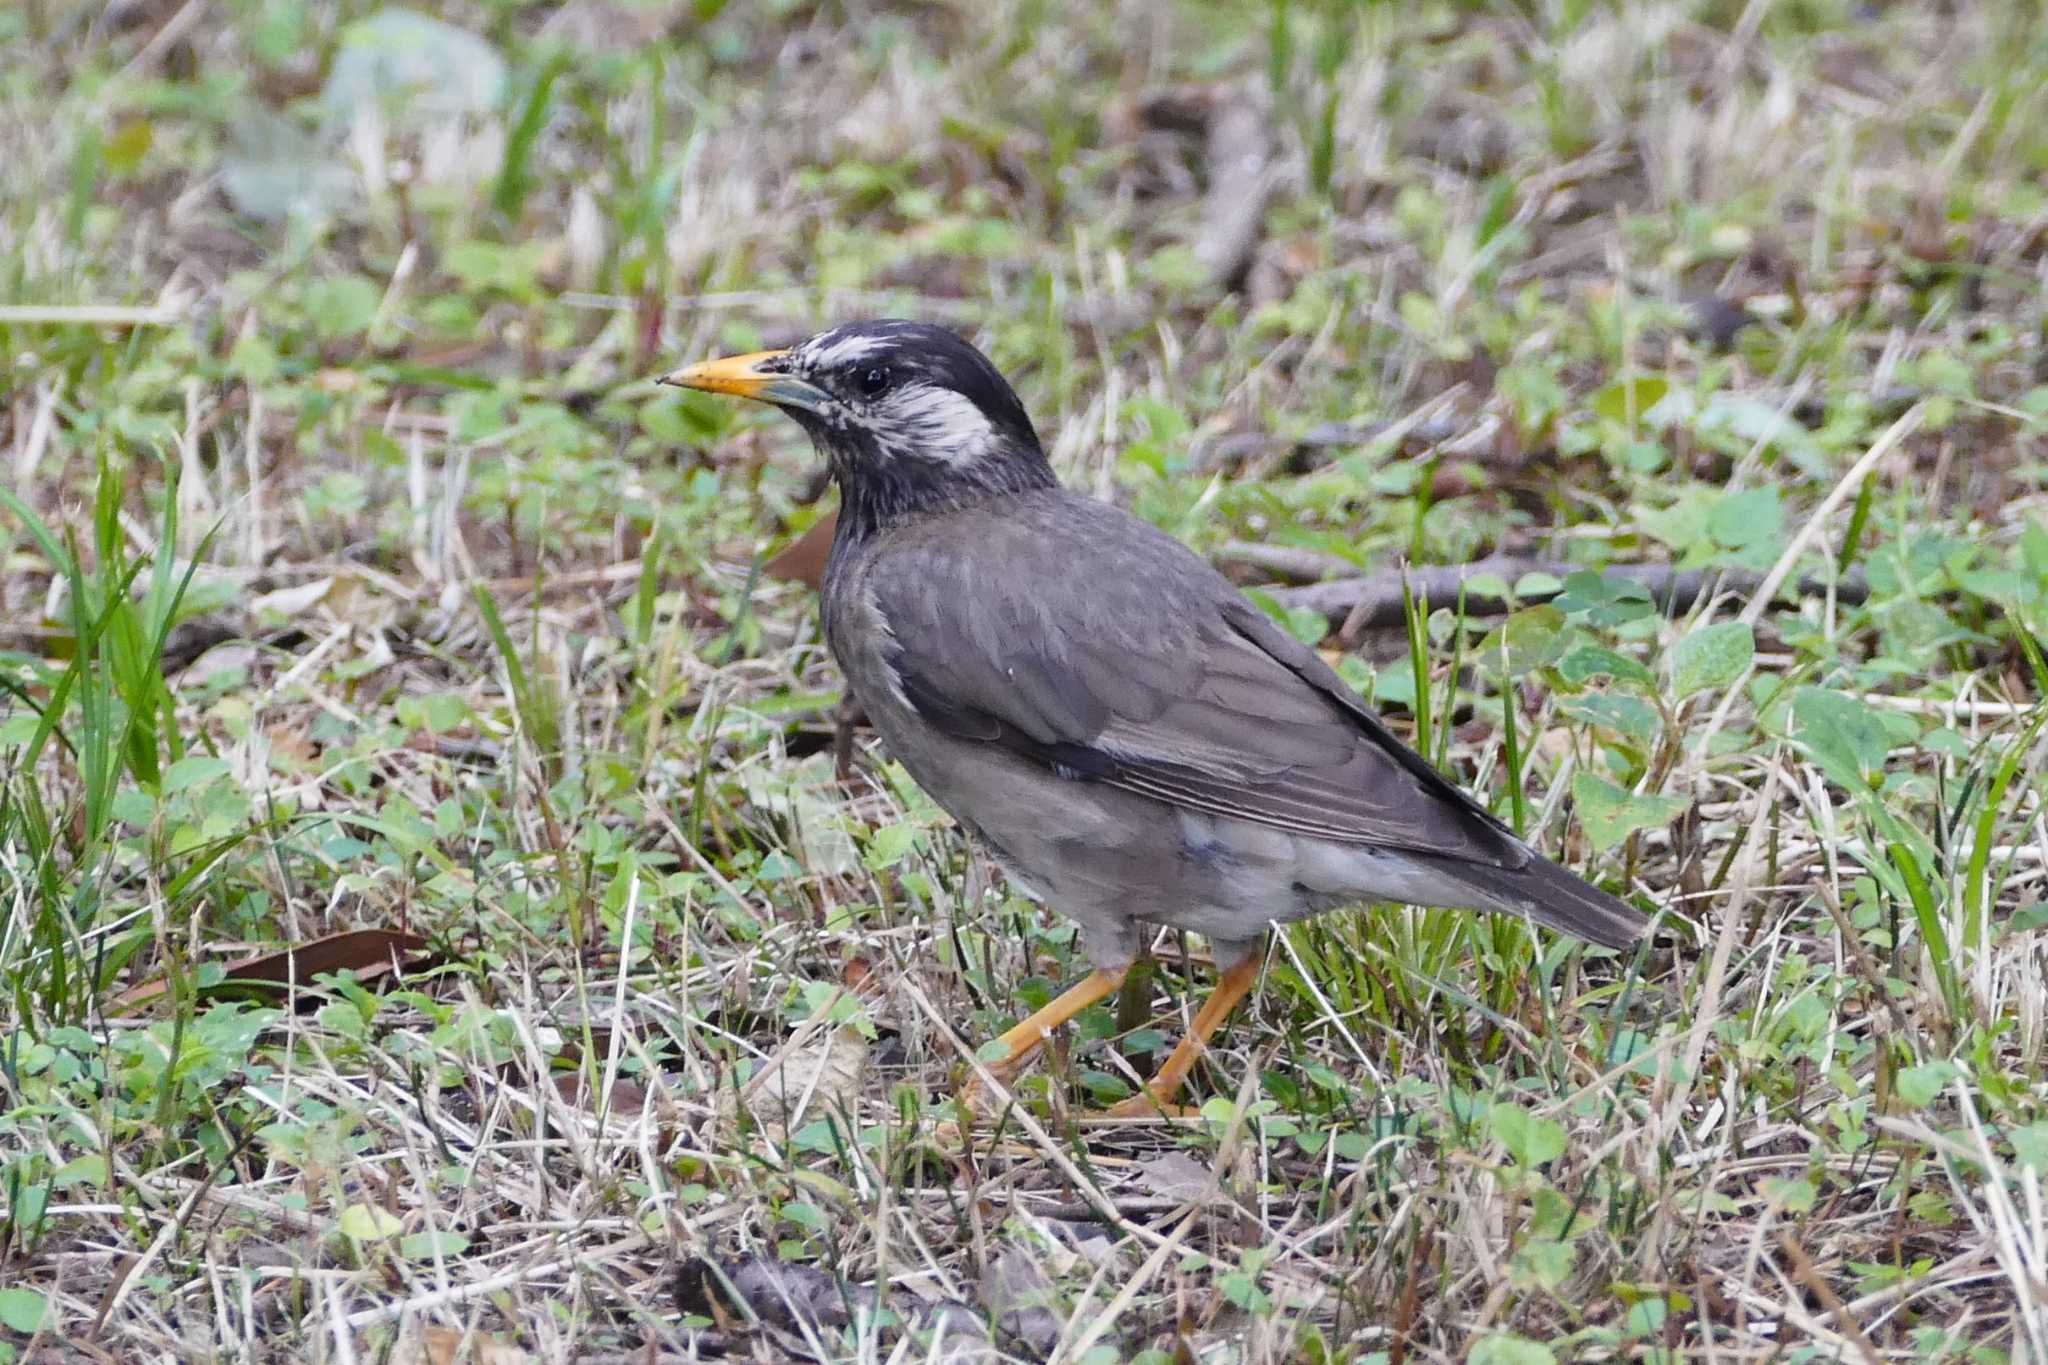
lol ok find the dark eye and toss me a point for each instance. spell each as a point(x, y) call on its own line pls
point(872, 382)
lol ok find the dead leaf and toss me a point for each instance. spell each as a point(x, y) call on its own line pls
point(348, 599)
point(1020, 1297)
point(448, 1346)
point(369, 953)
point(1174, 1175)
point(959, 1335)
point(356, 601)
point(789, 1301)
point(1927, 235)
point(628, 1098)
point(212, 639)
point(292, 749)
point(806, 795)
point(295, 601)
point(216, 660)
point(1714, 319)
point(803, 559)
point(816, 1072)
point(778, 1293)
point(607, 25)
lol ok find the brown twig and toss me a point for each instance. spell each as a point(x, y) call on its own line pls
point(1808, 1274)
point(1313, 447)
point(1282, 561)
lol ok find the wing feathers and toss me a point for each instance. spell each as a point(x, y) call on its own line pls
point(1071, 634)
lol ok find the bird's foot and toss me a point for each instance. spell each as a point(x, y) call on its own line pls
point(974, 1106)
point(977, 1101)
point(1146, 1105)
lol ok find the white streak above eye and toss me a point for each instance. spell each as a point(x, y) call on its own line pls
point(824, 353)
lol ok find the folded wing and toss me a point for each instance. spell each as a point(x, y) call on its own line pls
point(1140, 667)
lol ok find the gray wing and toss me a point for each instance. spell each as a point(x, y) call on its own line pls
point(1081, 639)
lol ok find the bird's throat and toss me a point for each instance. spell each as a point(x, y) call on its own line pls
point(878, 493)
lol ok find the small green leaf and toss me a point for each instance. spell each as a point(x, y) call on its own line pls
point(1587, 662)
point(2027, 919)
point(1626, 398)
point(21, 1310)
point(425, 1246)
point(889, 845)
point(1842, 734)
point(128, 145)
point(1546, 1264)
point(1604, 602)
point(1918, 1085)
point(1506, 1349)
point(806, 1215)
point(341, 306)
point(1307, 626)
point(2034, 551)
point(1530, 1140)
point(1712, 656)
point(1611, 814)
point(1630, 717)
point(85, 1170)
point(1646, 1317)
point(438, 712)
point(1791, 1196)
point(367, 1223)
point(2030, 1145)
point(1528, 640)
point(1682, 525)
point(191, 771)
point(1752, 517)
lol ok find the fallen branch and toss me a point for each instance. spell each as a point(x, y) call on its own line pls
point(1375, 602)
point(1313, 448)
point(1294, 563)
point(1239, 150)
point(1237, 157)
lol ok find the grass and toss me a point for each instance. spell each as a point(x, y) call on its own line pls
point(356, 575)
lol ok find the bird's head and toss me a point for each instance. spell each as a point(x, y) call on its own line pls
point(908, 415)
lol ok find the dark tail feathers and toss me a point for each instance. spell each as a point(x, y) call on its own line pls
point(1554, 898)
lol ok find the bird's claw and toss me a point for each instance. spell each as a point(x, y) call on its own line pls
point(977, 1101)
point(1146, 1105)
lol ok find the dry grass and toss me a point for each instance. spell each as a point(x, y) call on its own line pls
point(475, 644)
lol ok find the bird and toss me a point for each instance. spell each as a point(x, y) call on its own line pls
point(1130, 738)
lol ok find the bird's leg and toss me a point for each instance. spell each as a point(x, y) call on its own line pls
point(1232, 986)
point(1024, 1040)
point(1134, 997)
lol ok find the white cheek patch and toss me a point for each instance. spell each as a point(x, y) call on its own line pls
point(934, 423)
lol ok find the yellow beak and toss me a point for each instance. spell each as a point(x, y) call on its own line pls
point(744, 377)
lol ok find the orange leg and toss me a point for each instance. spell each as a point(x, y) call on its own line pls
point(1024, 1040)
point(1154, 1099)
